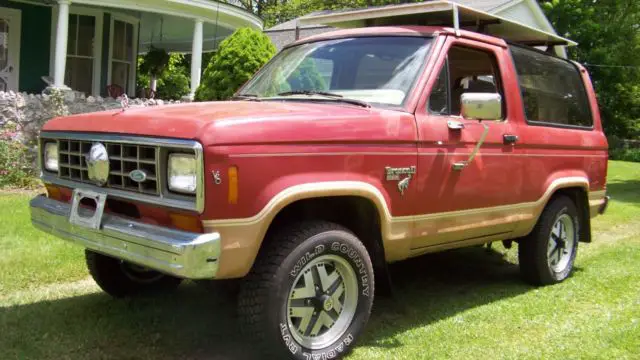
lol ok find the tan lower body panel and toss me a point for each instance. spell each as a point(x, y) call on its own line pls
point(596, 200)
point(403, 237)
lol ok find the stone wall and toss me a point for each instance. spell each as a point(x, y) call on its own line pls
point(22, 115)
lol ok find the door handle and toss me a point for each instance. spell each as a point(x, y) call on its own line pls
point(458, 166)
point(509, 139)
point(455, 125)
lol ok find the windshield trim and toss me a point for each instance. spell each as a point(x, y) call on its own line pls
point(411, 89)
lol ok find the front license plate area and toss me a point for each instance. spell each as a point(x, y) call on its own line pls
point(84, 215)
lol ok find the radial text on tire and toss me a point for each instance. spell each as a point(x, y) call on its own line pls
point(309, 293)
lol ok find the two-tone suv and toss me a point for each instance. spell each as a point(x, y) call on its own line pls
point(347, 151)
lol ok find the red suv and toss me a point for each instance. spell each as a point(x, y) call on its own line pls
point(347, 151)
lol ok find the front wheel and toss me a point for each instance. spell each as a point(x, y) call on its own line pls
point(310, 293)
point(119, 278)
point(547, 255)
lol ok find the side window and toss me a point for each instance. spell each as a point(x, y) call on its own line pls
point(466, 71)
point(439, 98)
point(552, 89)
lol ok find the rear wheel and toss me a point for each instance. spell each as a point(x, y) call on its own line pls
point(119, 278)
point(547, 255)
point(310, 292)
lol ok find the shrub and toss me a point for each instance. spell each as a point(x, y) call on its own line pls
point(625, 154)
point(16, 165)
point(620, 149)
point(238, 57)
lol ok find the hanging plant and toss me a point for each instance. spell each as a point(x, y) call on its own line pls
point(155, 62)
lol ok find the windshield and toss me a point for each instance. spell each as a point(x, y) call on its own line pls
point(375, 70)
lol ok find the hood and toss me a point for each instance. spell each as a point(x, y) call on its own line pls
point(230, 122)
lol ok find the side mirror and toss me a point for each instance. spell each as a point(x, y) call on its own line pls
point(481, 106)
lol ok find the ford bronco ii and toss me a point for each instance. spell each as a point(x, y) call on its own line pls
point(347, 151)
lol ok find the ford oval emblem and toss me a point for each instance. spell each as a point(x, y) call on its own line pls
point(138, 176)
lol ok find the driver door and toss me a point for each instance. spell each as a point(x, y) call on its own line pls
point(472, 204)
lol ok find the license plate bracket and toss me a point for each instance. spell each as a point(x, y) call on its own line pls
point(82, 216)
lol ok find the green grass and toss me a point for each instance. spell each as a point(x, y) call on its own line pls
point(463, 304)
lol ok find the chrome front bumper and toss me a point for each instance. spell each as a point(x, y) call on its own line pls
point(178, 253)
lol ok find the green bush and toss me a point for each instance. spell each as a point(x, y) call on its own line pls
point(238, 57)
point(620, 150)
point(16, 165)
point(625, 154)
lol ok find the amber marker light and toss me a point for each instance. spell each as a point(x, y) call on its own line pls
point(53, 192)
point(233, 185)
point(186, 222)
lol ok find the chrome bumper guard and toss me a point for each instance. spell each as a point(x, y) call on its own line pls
point(178, 253)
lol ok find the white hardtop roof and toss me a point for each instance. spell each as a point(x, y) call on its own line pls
point(438, 13)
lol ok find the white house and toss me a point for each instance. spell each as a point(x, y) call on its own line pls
point(88, 45)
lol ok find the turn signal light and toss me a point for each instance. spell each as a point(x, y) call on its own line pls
point(53, 192)
point(186, 222)
point(233, 185)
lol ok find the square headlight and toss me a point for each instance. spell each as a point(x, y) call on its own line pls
point(182, 171)
point(51, 156)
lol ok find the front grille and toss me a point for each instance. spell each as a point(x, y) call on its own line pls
point(123, 158)
point(125, 153)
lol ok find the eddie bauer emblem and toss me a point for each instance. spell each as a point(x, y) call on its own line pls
point(397, 173)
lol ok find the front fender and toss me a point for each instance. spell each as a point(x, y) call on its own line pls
point(242, 238)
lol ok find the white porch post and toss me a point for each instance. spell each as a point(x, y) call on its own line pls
point(60, 57)
point(196, 58)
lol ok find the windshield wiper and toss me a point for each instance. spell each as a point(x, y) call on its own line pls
point(250, 97)
point(332, 96)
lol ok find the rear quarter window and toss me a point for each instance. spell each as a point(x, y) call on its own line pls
point(552, 90)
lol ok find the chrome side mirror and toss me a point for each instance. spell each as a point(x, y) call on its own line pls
point(481, 106)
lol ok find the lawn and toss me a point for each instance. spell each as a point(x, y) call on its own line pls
point(463, 304)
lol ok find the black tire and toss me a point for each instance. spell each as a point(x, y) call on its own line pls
point(533, 250)
point(119, 278)
point(289, 256)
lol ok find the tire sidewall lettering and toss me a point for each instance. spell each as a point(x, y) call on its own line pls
point(360, 266)
point(308, 256)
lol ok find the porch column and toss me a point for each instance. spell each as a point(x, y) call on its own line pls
point(196, 58)
point(60, 57)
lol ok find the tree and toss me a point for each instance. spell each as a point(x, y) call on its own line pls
point(608, 37)
point(238, 57)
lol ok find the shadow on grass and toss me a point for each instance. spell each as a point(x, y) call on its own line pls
point(196, 323)
point(627, 191)
point(439, 286)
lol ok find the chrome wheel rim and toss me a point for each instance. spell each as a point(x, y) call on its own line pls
point(322, 301)
point(561, 243)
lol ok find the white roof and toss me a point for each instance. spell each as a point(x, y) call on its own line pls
point(439, 13)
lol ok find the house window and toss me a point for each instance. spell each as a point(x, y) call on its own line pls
point(80, 53)
point(122, 55)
